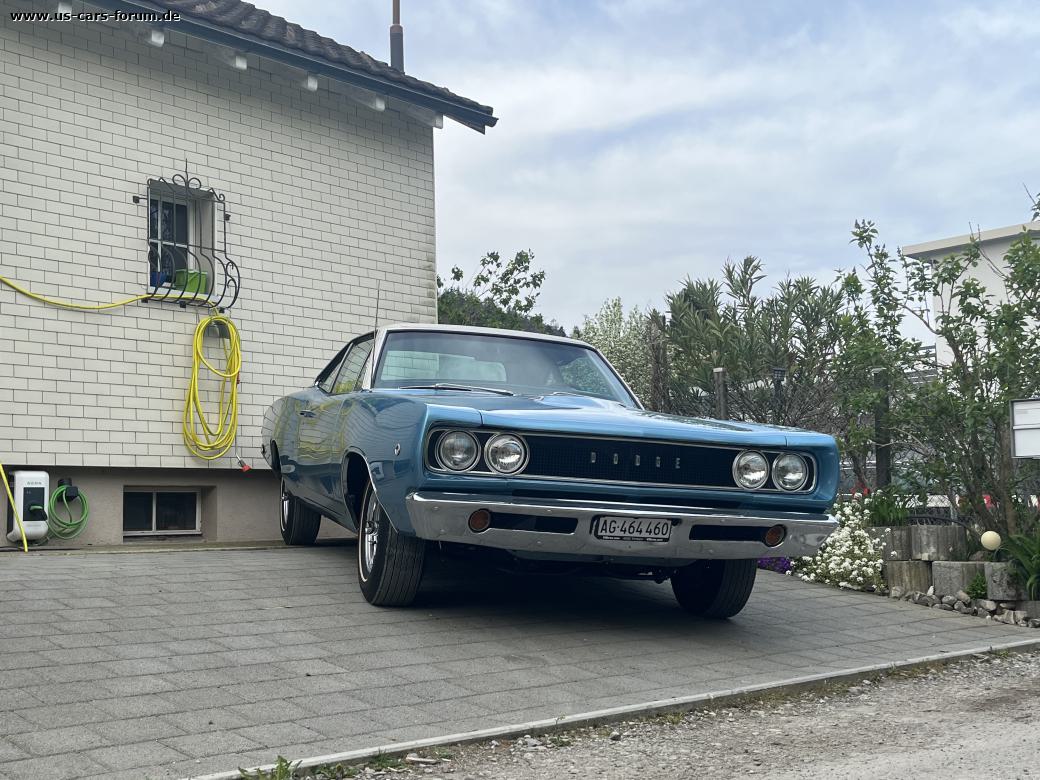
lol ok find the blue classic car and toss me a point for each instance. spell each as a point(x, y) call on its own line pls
point(531, 451)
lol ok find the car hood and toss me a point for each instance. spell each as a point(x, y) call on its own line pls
point(597, 417)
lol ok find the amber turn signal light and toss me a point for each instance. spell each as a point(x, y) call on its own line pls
point(773, 537)
point(480, 521)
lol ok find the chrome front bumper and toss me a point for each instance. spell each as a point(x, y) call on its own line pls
point(444, 517)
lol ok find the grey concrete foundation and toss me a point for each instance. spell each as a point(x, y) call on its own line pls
point(908, 575)
point(236, 506)
point(948, 577)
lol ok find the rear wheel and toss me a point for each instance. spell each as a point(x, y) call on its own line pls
point(715, 589)
point(299, 523)
point(390, 564)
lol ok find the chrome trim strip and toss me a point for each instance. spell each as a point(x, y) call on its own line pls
point(443, 517)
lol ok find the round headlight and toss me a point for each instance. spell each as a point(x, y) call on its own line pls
point(790, 472)
point(750, 469)
point(505, 453)
point(457, 451)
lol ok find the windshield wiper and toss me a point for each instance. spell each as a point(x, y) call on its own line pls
point(471, 388)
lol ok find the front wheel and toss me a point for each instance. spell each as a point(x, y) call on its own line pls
point(390, 564)
point(299, 523)
point(715, 589)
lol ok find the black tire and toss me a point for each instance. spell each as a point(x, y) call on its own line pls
point(390, 564)
point(299, 523)
point(715, 589)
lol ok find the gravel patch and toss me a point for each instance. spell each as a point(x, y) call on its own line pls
point(974, 718)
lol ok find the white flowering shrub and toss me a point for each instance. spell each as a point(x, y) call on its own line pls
point(850, 558)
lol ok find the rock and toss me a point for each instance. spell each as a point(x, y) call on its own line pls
point(986, 604)
point(415, 758)
point(949, 600)
point(531, 742)
point(1031, 608)
point(963, 608)
point(947, 607)
point(615, 736)
point(928, 601)
point(1019, 617)
point(911, 576)
point(1034, 623)
point(896, 592)
point(931, 590)
point(949, 577)
point(962, 596)
point(1001, 583)
point(938, 542)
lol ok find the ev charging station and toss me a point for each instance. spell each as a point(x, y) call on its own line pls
point(31, 491)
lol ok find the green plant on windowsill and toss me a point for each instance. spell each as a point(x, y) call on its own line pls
point(977, 587)
point(1024, 553)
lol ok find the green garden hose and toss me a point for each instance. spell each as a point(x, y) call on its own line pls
point(66, 527)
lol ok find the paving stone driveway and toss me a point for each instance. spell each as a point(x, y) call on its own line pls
point(170, 664)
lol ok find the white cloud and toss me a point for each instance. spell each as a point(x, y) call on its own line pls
point(641, 142)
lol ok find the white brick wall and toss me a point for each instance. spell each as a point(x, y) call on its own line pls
point(327, 199)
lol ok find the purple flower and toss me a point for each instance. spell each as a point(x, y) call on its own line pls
point(781, 565)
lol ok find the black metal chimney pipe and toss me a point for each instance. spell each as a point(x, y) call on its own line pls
point(397, 40)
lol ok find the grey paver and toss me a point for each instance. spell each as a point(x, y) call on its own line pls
point(200, 661)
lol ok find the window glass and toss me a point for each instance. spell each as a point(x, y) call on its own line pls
point(328, 374)
point(175, 511)
point(137, 511)
point(349, 378)
point(522, 365)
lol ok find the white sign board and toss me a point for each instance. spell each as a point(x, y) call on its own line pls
point(1025, 428)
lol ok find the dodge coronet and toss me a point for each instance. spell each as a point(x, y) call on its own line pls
point(531, 451)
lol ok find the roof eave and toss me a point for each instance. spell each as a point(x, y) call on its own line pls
point(205, 30)
point(947, 245)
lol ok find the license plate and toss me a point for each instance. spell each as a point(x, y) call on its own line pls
point(632, 529)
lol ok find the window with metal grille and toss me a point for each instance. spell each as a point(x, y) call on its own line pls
point(180, 239)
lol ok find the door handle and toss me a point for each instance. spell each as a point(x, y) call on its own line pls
point(307, 413)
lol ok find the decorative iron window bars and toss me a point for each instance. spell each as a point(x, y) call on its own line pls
point(186, 263)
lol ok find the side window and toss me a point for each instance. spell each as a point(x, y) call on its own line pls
point(328, 374)
point(349, 378)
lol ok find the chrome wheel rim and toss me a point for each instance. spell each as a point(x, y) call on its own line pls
point(284, 519)
point(368, 544)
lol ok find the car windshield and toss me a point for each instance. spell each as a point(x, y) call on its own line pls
point(499, 363)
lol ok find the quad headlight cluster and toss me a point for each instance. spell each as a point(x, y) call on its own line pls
point(504, 453)
point(751, 471)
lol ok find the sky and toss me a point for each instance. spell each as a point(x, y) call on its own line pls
point(641, 142)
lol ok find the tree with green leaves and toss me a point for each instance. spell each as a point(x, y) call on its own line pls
point(954, 429)
point(624, 341)
point(777, 347)
point(501, 294)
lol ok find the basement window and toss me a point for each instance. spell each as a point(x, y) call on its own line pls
point(161, 511)
point(180, 239)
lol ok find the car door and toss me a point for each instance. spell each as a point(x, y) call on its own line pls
point(305, 457)
point(326, 420)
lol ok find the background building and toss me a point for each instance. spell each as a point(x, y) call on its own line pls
point(994, 244)
point(228, 157)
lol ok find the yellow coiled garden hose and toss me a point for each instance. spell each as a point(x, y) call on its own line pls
point(204, 439)
point(211, 440)
point(14, 508)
